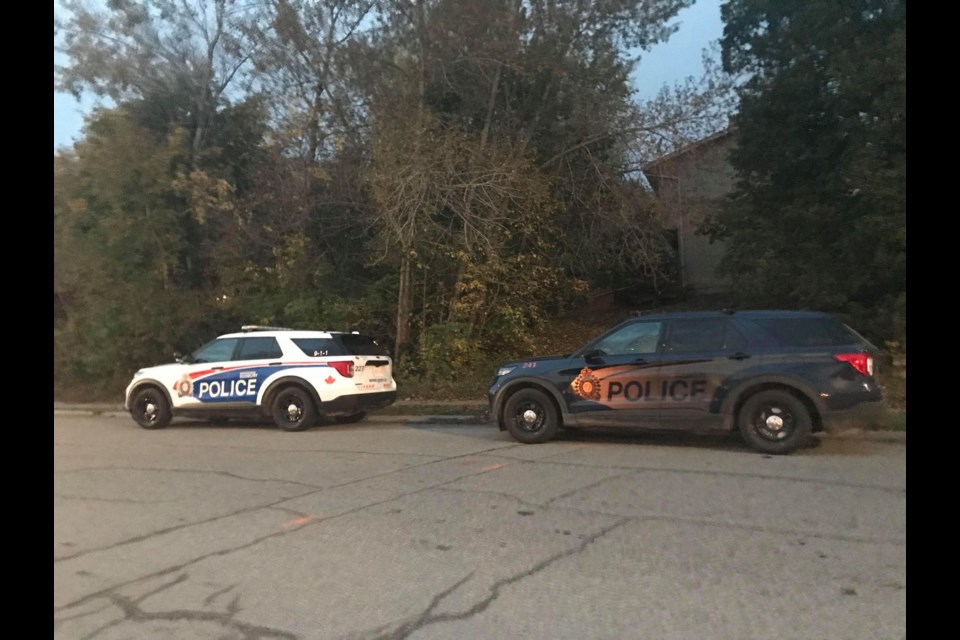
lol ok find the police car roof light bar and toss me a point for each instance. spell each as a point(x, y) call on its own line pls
point(257, 327)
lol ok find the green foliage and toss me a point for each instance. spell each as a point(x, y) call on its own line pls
point(818, 216)
point(461, 167)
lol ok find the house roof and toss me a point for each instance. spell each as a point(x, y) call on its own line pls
point(653, 164)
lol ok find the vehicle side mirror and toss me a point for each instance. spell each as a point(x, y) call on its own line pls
point(179, 358)
point(593, 355)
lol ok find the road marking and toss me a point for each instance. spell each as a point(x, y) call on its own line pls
point(299, 522)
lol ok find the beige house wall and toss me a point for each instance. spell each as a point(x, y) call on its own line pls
point(690, 184)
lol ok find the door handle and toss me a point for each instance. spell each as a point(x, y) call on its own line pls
point(739, 355)
point(216, 368)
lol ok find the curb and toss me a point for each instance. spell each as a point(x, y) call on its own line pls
point(116, 411)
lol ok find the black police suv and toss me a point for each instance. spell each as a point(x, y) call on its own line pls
point(774, 376)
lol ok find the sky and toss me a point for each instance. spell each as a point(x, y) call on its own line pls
point(667, 63)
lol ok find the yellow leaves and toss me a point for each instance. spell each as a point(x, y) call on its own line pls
point(207, 195)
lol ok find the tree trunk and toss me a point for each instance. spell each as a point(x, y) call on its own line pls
point(404, 307)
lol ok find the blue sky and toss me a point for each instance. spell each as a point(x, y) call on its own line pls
point(667, 63)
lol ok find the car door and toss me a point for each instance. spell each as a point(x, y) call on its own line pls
point(700, 357)
point(227, 372)
point(614, 375)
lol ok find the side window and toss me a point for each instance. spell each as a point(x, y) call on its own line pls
point(259, 349)
point(638, 337)
point(216, 351)
point(696, 334)
point(318, 347)
point(689, 335)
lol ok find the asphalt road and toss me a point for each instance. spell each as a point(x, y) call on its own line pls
point(432, 531)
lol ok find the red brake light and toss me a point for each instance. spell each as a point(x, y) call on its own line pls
point(862, 362)
point(344, 368)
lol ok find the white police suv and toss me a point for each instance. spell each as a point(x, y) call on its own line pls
point(290, 375)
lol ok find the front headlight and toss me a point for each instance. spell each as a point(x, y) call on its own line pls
point(502, 371)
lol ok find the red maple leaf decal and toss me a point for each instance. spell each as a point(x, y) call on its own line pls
point(330, 380)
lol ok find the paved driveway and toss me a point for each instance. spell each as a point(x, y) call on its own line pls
point(397, 530)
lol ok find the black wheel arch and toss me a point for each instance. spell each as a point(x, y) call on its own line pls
point(148, 382)
point(804, 393)
point(527, 383)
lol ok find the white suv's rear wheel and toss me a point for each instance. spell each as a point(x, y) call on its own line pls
point(292, 409)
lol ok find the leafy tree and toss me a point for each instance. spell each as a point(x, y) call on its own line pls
point(182, 57)
point(818, 216)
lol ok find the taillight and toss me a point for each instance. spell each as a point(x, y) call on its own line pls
point(344, 368)
point(862, 362)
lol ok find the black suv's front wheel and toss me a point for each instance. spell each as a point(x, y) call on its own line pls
point(530, 416)
point(774, 421)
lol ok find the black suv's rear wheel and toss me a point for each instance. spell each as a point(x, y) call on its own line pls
point(774, 421)
point(292, 409)
point(530, 416)
point(150, 408)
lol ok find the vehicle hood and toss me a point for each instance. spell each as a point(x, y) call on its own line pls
point(160, 370)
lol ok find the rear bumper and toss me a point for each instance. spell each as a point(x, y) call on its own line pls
point(345, 405)
point(863, 415)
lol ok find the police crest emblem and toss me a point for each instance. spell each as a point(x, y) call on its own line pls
point(586, 385)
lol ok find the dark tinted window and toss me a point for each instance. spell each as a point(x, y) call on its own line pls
point(638, 337)
point(696, 334)
point(318, 347)
point(808, 332)
point(357, 345)
point(704, 334)
point(259, 349)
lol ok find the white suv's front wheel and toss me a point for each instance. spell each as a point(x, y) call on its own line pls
point(150, 408)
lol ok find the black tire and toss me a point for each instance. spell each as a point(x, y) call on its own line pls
point(150, 408)
point(531, 417)
point(775, 421)
point(292, 409)
point(359, 416)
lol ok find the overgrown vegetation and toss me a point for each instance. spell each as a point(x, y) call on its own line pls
point(452, 176)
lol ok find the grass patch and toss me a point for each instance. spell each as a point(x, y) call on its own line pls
point(892, 420)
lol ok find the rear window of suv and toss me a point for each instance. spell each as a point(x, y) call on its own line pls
point(357, 345)
point(318, 347)
point(344, 344)
point(808, 332)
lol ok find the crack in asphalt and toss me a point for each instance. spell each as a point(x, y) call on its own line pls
point(213, 596)
point(732, 474)
point(215, 472)
point(427, 618)
point(222, 552)
point(177, 527)
point(64, 496)
point(682, 520)
point(294, 512)
point(315, 489)
point(592, 485)
point(132, 612)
